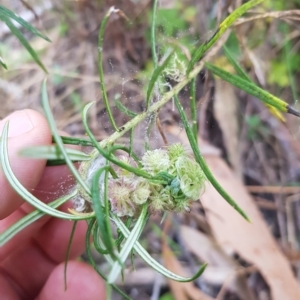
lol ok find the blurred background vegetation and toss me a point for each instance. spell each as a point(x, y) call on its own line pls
point(261, 149)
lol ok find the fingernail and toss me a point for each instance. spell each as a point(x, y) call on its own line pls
point(19, 123)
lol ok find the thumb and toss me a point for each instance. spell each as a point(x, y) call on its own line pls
point(27, 128)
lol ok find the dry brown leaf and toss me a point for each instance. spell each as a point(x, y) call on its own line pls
point(222, 268)
point(180, 290)
point(252, 241)
point(225, 112)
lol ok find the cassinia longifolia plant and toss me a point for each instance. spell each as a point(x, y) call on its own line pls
point(123, 190)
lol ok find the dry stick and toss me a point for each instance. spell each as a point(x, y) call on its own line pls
point(277, 15)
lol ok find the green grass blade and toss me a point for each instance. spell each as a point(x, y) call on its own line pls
point(198, 54)
point(151, 261)
point(127, 247)
point(100, 67)
point(156, 73)
point(124, 109)
point(8, 13)
point(10, 232)
point(15, 31)
point(21, 190)
point(52, 152)
point(200, 160)
point(58, 140)
point(252, 89)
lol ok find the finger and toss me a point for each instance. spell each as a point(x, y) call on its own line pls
point(29, 266)
point(82, 283)
point(27, 128)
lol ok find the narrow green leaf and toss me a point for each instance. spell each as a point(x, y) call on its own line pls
point(200, 160)
point(103, 216)
point(123, 108)
point(52, 152)
point(98, 241)
point(58, 140)
point(127, 247)
point(100, 66)
point(198, 54)
point(15, 31)
point(68, 252)
point(193, 106)
point(74, 141)
point(156, 73)
point(93, 263)
point(240, 71)
point(21, 190)
point(10, 232)
point(153, 39)
point(2, 63)
point(250, 88)
point(151, 261)
point(8, 13)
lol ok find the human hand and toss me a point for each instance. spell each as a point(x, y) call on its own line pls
point(32, 263)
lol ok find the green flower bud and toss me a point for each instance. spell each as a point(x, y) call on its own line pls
point(156, 161)
point(191, 177)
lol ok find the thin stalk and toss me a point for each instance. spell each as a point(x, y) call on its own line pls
point(100, 66)
point(68, 253)
point(193, 106)
point(153, 39)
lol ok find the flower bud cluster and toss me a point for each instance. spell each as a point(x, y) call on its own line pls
point(177, 180)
